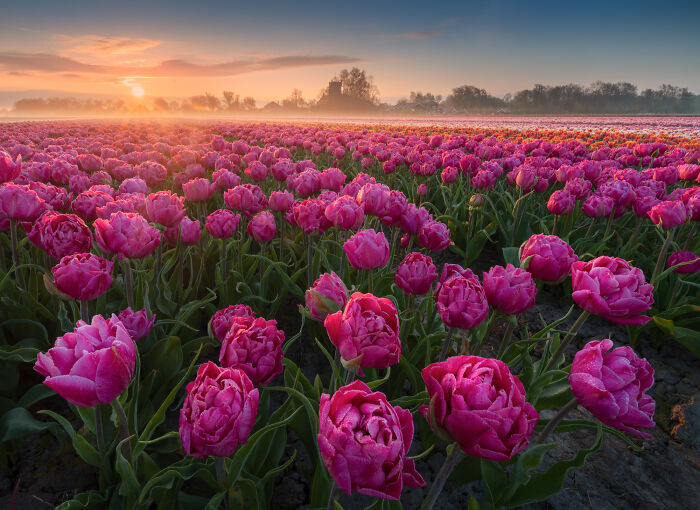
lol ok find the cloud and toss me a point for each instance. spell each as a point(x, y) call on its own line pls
point(91, 44)
point(426, 34)
point(51, 63)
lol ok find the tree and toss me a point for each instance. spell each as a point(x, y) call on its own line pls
point(294, 101)
point(232, 101)
point(249, 103)
point(471, 98)
point(358, 84)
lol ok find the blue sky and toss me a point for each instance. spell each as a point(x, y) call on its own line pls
point(265, 49)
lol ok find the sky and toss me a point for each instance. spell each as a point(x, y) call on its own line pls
point(265, 49)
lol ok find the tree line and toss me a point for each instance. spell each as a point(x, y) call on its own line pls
point(360, 94)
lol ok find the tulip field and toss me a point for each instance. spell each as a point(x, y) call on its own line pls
point(246, 315)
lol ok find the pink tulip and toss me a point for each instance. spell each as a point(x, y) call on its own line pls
point(327, 295)
point(367, 249)
point(198, 190)
point(669, 214)
point(83, 276)
point(9, 169)
point(613, 385)
point(62, 234)
point(218, 413)
point(20, 203)
point(611, 287)
point(366, 332)
point(679, 257)
point(561, 202)
point(247, 199)
point(92, 365)
point(126, 234)
point(509, 289)
point(138, 324)
point(224, 179)
point(281, 201)
point(254, 346)
point(88, 202)
point(481, 405)
point(434, 235)
point(598, 206)
point(165, 208)
point(415, 274)
point(345, 213)
point(190, 232)
point(222, 223)
point(364, 442)
point(547, 258)
point(310, 216)
point(223, 319)
point(262, 227)
point(449, 175)
point(461, 303)
point(133, 185)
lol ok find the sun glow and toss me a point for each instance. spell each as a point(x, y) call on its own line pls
point(137, 91)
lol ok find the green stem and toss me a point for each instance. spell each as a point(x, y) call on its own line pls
point(555, 421)
point(446, 344)
point(128, 284)
point(220, 464)
point(180, 266)
point(451, 461)
point(85, 311)
point(609, 225)
point(222, 261)
point(309, 260)
point(159, 261)
point(123, 423)
point(100, 436)
point(691, 237)
point(662, 256)
point(506, 340)
point(15, 251)
point(633, 240)
point(567, 339)
point(332, 496)
point(590, 228)
point(516, 217)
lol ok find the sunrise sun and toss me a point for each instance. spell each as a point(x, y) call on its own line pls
point(137, 91)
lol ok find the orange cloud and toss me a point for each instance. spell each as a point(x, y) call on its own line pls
point(91, 44)
point(47, 62)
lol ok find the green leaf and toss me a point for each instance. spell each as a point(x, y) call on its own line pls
point(545, 485)
point(130, 484)
point(241, 455)
point(82, 447)
point(19, 422)
point(495, 479)
point(159, 415)
point(511, 255)
point(245, 495)
point(17, 353)
point(35, 394)
point(85, 501)
point(688, 338)
point(571, 425)
point(185, 469)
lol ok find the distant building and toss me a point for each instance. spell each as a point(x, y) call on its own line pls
point(335, 89)
point(337, 100)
